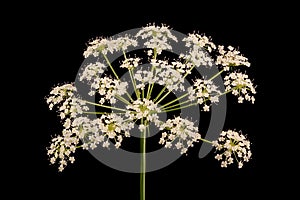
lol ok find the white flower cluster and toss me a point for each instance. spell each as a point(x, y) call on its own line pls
point(91, 133)
point(199, 41)
point(101, 130)
point(103, 46)
point(164, 73)
point(130, 63)
point(197, 45)
point(179, 132)
point(144, 77)
point(92, 71)
point(231, 57)
point(240, 85)
point(69, 107)
point(114, 127)
point(171, 75)
point(143, 109)
point(60, 93)
point(108, 88)
point(158, 37)
point(62, 148)
point(122, 43)
point(83, 127)
point(231, 146)
point(64, 98)
point(205, 91)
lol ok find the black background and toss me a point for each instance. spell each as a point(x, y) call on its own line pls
point(53, 38)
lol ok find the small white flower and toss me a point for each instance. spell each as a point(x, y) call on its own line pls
point(61, 168)
point(206, 108)
point(149, 52)
point(161, 141)
point(142, 127)
point(190, 143)
point(85, 146)
point(240, 99)
point(240, 164)
point(127, 134)
point(183, 150)
point(67, 123)
point(223, 164)
point(230, 160)
point(52, 160)
point(62, 115)
point(118, 144)
point(93, 146)
point(178, 145)
point(72, 159)
point(168, 145)
point(218, 157)
point(105, 144)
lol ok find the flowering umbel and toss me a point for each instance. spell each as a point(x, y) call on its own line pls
point(151, 84)
point(231, 146)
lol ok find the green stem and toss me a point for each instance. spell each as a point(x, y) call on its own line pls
point(150, 87)
point(160, 93)
point(148, 128)
point(122, 99)
point(103, 113)
point(104, 106)
point(111, 67)
point(148, 90)
point(236, 158)
point(188, 72)
point(124, 54)
point(204, 140)
point(128, 95)
point(178, 104)
point(164, 97)
point(227, 92)
point(155, 53)
point(166, 109)
point(193, 104)
point(217, 74)
point(116, 75)
point(137, 93)
point(143, 165)
point(177, 99)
